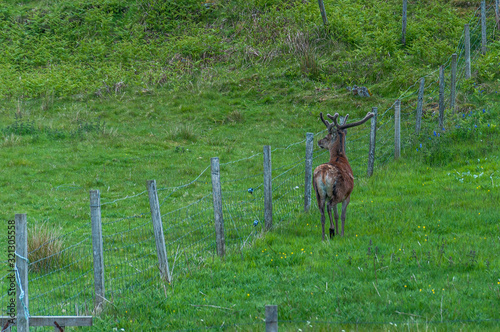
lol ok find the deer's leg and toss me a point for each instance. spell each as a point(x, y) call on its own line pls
point(323, 222)
point(321, 206)
point(329, 207)
point(336, 215)
point(344, 209)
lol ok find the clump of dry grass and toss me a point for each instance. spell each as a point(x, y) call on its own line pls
point(182, 132)
point(44, 248)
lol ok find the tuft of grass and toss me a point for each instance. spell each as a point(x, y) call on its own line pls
point(44, 248)
point(182, 131)
point(235, 117)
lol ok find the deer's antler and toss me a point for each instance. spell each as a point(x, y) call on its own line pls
point(330, 125)
point(369, 115)
point(327, 124)
point(334, 119)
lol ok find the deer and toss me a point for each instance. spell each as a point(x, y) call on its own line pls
point(333, 181)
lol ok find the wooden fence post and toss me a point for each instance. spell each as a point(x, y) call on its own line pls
point(22, 299)
point(373, 137)
point(323, 12)
point(161, 251)
point(497, 13)
point(453, 83)
point(467, 51)
point(441, 97)
point(405, 6)
point(97, 249)
point(397, 129)
point(420, 105)
point(268, 188)
point(308, 172)
point(483, 27)
point(217, 199)
point(271, 318)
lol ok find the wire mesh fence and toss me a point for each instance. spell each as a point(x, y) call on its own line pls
point(60, 273)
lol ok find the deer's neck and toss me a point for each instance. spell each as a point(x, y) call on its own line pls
point(337, 150)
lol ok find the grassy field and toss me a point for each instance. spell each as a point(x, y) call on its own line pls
point(99, 95)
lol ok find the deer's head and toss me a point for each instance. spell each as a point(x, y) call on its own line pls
point(336, 131)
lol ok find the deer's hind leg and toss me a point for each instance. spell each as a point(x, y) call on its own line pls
point(336, 214)
point(344, 211)
point(321, 206)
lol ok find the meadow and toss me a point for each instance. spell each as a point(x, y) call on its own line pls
point(108, 94)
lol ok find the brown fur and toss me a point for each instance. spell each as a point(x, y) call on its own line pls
point(333, 182)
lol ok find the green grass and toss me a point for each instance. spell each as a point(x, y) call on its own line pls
point(418, 242)
point(445, 187)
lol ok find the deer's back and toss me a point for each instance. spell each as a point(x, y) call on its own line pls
point(333, 181)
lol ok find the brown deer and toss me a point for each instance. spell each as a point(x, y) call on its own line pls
point(333, 181)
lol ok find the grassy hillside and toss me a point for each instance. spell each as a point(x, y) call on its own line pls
point(108, 94)
point(82, 48)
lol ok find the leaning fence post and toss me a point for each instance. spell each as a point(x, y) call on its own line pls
point(441, 97)
point(403, 38)
point(271, 318)
point(97, 249)
point(308, 175)
point(420, 105)
point(21, 270)
point(453, 83)
point(217, 199)
point(158, 230)
point(467, 51)
point(483, 27)
point(397, 129)
point(268, 188)
point(323, 12)
point(373, 137)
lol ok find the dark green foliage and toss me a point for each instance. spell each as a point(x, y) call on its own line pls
point(71, 47)
point(24, 127)
point(167, 15)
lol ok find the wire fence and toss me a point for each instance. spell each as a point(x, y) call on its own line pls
point(62, 282)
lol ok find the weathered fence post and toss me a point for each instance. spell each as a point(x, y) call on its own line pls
point(217, 199)
point(397, 129)
point(308, 175)
point(497, 13)
point(271, 318)
point(323, 12)
point(453, 83)
point(268, 188)
point(403, 38)
point(97, 249)
point(441, 97)
point(21, 224)
point(161, 251)
point(373, 137)
point(420, 105)
point(467, 51)
point(483, 27)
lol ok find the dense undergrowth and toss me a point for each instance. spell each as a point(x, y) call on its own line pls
point(81, 48)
